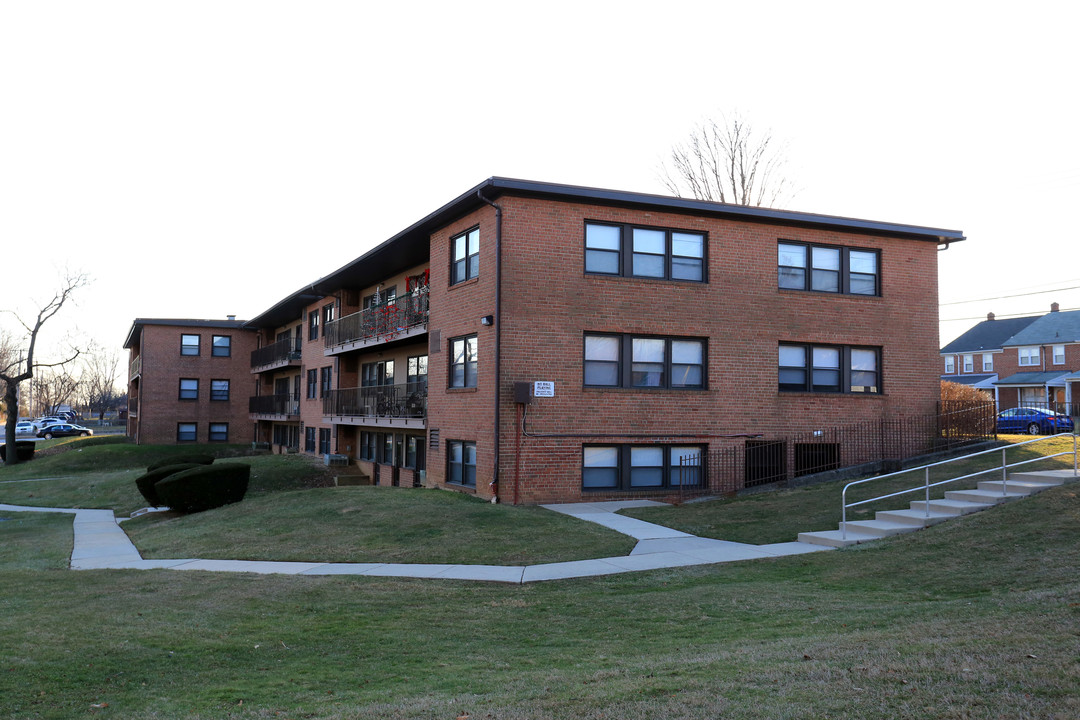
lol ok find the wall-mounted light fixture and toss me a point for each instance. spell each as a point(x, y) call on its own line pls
point(487, 320)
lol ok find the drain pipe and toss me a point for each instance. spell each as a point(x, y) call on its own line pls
point(498, 338)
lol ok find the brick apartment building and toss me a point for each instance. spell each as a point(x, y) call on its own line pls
point(660, 328)
point(189, 381)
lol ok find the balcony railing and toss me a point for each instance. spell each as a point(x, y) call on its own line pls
point(280, 404)
point(282, 352)
point(136, 367)
point(406, 400)
point(384, 321)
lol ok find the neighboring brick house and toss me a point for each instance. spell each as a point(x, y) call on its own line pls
point(189, 381)
point(1040, 363)
point(970, 358)
point(661, 327)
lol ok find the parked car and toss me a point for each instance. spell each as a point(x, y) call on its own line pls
point(46, 421)
point(26, 428)
point(1033, 421)
point(63, 430)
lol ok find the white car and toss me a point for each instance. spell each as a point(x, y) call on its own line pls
point(26, 428)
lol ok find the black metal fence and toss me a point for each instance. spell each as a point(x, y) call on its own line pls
point(279, 404)
point(405, 400)
point(281, 351)
point(761, 461)
point(383, 321)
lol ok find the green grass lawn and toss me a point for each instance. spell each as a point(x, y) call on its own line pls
point(975, 618)
point(779, 516)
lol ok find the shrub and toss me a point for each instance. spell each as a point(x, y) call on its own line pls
point(192, 459)
point(204, 487)
point(24, 450)
point(146, 482)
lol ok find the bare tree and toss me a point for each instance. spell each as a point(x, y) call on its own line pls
point(14, 372)
point(54, 387)
point(101, 370)
point(728, 161)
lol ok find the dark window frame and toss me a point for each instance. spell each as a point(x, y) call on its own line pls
point(313, 324)
point(185, 347)
point(466, 267)
point(846, 371)
point(188, 394)
point(625, 362)
point(624, 468)
point(180, 436)
point(465, 363)
point(328, 314)
point(325, 441)
point(224, 350)
point(218, 436)
point(625, 252)
point(326, 380)
point(312, 383)
point(218, 395)
point(844, 272)
point(310, 440)
point(462, 476)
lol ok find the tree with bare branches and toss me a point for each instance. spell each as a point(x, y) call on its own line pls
point(97, 384)
point(728, 161)
point(21, 367)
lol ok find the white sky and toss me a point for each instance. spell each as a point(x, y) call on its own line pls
point(167, 149)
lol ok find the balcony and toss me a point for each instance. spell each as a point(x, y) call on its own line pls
point(399, 406)
point(400, 317)
point(283, 406)
point(136, 368)
point(283, 353)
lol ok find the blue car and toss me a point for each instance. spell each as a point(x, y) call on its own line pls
point(1033, 421)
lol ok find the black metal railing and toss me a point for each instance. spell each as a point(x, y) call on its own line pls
point(279, 404)
point(405, 400)
point(781, 459)
point(384, 321)
point(282, 351)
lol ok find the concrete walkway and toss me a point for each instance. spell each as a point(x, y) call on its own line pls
point(100, 543)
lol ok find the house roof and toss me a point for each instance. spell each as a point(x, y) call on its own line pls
point(1053, 327)
point(137, 326)
point(409, 247)
point(981, 380)
point(988, 335)
point(1034, 378)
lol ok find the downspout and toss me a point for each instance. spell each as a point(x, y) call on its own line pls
point(498, 339)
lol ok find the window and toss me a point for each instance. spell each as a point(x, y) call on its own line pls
point(640, 467)
point(461, 463)
point(1059, 354)
point(988, 362)
point(465, 263)
point(185, 432)
point(463, 352)
point(313, 325)
point(325, 378)
point(828, 269)
point(417, 370)
point(189, 388)
point(327, 316)
point(324, 441)
point(1028, 355)
point(219, 390)
point(309, 439)
point(222, 346)
point(950, 364)
point(189, 344)
point(829, 368)
point(219, 432)
point(634, 251)
point(377, 373)
point(969, 363)
point(384, 295)
point(644, 362)
point(367, 445)
point(312, 384)
point(414, 452)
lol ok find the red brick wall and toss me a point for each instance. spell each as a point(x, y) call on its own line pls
point(549, 302)
point(160, 408)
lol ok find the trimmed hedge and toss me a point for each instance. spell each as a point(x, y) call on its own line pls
point(204, 487)
point(24, 450)
point(190, 459)
point(146, 482)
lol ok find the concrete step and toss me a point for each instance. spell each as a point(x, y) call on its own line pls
point(1050, 477)
point(1022, 487)
point(949, 507)
point(880, 528)
point(832, 538)
point(915, 518)
point(981, 496)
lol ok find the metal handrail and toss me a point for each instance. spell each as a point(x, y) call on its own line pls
point(927, 484)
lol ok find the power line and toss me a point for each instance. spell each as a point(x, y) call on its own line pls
point(1014, 315)
point(1006, 297)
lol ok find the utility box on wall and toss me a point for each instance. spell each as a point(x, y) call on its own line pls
point(523, 392)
